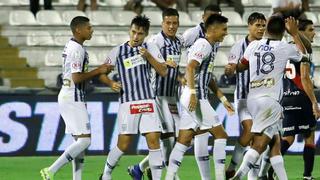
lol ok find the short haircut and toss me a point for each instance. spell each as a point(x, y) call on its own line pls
point(256, 16)
point(303, 23)
point(276, 25)
point(169, 12)
point(78, 21)
point(215, 19)
point(141, 21)
point(212, 7)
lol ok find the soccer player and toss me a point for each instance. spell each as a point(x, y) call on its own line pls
point(300, 105)
point(266, 60)
point(197, 114)
point(165, 87)
point(256, 27)
point(72, 96)
point(201, 140)
point(135, 60)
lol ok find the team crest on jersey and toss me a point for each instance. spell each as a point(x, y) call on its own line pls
point(108, 61)
point(141, 108)
point(199, 55)
point(76, 65)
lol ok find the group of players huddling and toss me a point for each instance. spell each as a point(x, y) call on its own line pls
point(172, 110)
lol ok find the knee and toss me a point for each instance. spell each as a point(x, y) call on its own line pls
point(85, 142)
point(153, 143)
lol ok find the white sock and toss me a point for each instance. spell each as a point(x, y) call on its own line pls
point(237, 156)
point(219, 156)
point(77, 166)
point(156, 163)
point(265, 163)
point(254, 171)
point(202, 155)
point(167, 147)
point(144, 163)
point(112, 160)
point(175, 159)
point(70, 153)
point(278, 166)
point(247, 163)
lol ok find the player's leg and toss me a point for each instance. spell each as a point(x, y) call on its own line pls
point(219, 152)
point(265, 164)
point(308, 155)
point(77, 166)
point(276, 158)
point(155, 154)
point(201, 154)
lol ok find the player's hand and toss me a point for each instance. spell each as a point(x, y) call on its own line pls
point(316, 110)
point(105, 68)
point(229, 70)
point(292, 26)
point(144, 52)
point(171, 64)
point(229, 108)
point(182, 80)
point(193, 102)
point(115, 86)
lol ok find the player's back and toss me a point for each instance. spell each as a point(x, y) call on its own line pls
point(267, 62)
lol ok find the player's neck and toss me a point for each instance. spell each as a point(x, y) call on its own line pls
point(251, 38)
point(78, 40)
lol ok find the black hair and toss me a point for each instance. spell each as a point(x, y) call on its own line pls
point(303, 23)
point(141, 21)
point(256, 16)
point(78, 21)
point(276, 25)
point(212, 7)
point(215, 19)
point(169, 12)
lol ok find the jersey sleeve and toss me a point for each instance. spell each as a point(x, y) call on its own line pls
point(199, 51)
point(293, 53)
point(112, 56)
point(155, 52)
point(75, 57)
point(234, 54)
point(189, 38)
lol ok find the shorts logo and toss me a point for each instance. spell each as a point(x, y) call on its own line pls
point(141, 108)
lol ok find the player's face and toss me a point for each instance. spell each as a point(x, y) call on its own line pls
point(206, 15)
point(170, 25)
point(86, 31)
point(309, 32)
point(256, 30)
point(217, 32)
point(137, 35)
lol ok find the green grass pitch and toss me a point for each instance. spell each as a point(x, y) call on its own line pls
point(27, 168)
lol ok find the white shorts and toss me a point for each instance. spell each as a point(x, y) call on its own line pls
point(75, 116)
point(204, 117)
point(242, 109)
point(267, 114)
point(168, 113)
point(138, 116)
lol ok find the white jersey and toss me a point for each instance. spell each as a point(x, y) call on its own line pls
point(203, 52)
point(267, 61)
point(75, 60)
point(235, 56)
point(191, 35)
point(135, 71)
point(171, 51)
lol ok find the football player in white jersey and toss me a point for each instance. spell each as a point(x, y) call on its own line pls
point(256, 27)
point(266, 60)
point(165, 87)
point(71, 98)
point(135, 60)
point(198, 116)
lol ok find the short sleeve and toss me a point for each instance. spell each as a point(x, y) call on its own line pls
point(293, 53)
point(155, 52)
point(234, 54)
point(75, 58)
point(199, 51)
point(189, 38)
point(112, 56)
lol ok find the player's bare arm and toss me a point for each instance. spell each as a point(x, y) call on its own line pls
point(308, 87)
point(292, 29)
point(230, 69)
point(217, 91)
point(102, 69)
point(115, 86)
point(242, 65)
point(161, 68)
point(182, 80)
point(190, 72)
